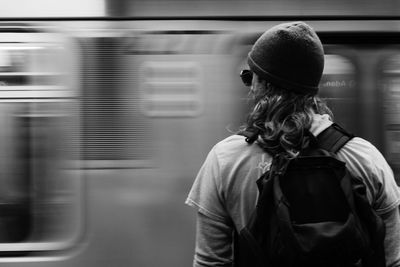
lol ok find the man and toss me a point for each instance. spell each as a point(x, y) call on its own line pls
point(286, 64)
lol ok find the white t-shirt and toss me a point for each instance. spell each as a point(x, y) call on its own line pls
point(225, 188)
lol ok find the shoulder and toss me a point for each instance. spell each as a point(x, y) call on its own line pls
point(233, 143)
point(235, 148)
point(237, 158)
point(365, 161)
point(362, 151)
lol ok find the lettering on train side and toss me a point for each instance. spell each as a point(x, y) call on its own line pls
point(339, 83)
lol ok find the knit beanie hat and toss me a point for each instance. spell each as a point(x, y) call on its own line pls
point(289, 55)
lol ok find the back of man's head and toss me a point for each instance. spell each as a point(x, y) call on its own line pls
point(289, 55)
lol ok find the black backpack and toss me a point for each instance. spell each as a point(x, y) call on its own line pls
point(311, 212)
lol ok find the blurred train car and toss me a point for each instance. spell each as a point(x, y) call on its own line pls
point(108, 109)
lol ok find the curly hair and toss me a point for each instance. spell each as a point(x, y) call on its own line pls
point(282, 117)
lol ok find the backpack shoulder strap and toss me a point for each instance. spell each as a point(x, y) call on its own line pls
point(333, 138)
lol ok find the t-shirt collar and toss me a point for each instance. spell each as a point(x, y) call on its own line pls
point(320, 123)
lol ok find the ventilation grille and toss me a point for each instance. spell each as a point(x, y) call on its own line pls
point(113, 127)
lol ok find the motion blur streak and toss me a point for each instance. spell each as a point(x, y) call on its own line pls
point(108, 108)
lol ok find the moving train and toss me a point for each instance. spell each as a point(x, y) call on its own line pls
point(108, 109)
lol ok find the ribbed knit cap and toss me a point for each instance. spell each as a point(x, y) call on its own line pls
point(289, 55)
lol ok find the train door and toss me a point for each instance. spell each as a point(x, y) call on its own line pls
point(390, 78)
point(40, 184)
point(181, 83)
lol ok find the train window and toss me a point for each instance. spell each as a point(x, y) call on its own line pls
point(171, 89)
point(338, 87)
point(40, 185)
point(20, 70)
